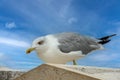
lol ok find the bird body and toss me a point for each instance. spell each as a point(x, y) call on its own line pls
point(52, 54)
point(64, 47)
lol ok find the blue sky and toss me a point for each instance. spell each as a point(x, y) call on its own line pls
point(21, 21)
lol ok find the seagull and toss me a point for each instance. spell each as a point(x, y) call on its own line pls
point(64, 47)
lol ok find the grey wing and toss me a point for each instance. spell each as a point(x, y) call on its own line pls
point(75, 42)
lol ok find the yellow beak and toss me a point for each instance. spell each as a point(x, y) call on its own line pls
point(29, 50)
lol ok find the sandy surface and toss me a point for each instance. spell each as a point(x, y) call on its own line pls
point(98, 72)
point(108, 76)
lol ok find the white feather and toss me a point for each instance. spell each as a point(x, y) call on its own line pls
point(50, 53)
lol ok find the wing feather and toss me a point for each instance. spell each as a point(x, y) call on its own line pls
point(76, 42)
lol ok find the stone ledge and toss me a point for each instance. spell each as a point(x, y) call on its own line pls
point(70, 72)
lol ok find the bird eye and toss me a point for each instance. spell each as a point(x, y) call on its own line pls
point(40, 42)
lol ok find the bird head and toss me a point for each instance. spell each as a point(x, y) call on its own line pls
point(38, 45)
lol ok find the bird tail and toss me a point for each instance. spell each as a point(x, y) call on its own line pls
point(105, 39)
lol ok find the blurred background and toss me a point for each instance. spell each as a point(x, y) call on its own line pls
point(21, 21)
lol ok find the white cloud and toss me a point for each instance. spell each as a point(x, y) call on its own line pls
point(26, 62)
point(116, 23)
point(104, 57)
point(13, 42)
point(72, 20)
point(64, 9)
point(4, 58)
point(27, 65)
point(116, 30)
point(117, 65)
point(2, 55)
point(10, 25)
